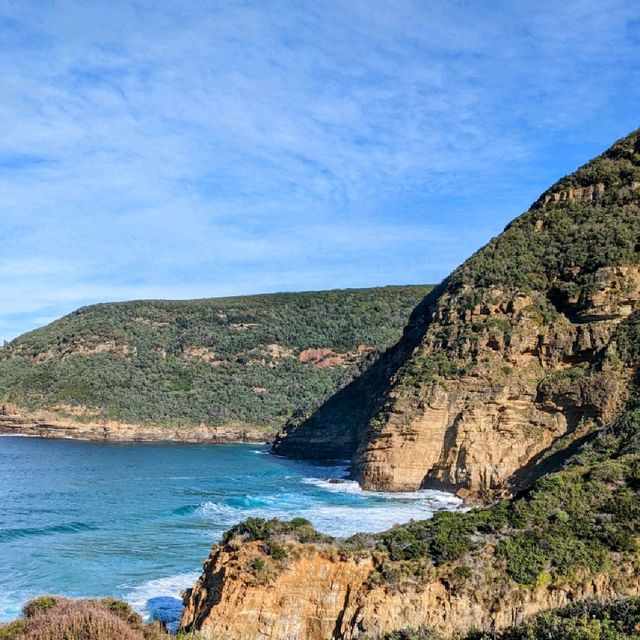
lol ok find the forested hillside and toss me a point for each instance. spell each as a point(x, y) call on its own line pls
point(254, 360)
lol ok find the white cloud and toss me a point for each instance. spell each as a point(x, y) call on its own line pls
point(156, 148)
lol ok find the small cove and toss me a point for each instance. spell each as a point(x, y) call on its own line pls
point(136, 521)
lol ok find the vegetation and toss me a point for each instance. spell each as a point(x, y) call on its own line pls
point(543, 248)
point(56, 618)
point(274, 531)
point(570, 524)
point(217, 361)
point(592, 620)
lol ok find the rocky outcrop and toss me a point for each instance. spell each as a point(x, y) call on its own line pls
point(322, 593)
point(507, 386)
point(511, 359)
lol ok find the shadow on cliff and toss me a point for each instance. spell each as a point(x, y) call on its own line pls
point(335, 430)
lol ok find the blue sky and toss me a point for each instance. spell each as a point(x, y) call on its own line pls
point(190, 149)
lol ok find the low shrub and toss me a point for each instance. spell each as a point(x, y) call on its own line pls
point(39, 605)
point(12, 630)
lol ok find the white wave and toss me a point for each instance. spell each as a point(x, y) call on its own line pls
point(170, 586)
point(370, 511)
point(352, 487)
point(18, 435)
point(342, 486)
point(11, 603)
point(345, 520)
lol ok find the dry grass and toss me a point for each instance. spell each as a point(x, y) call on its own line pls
point(79, 621)
point(54, 618)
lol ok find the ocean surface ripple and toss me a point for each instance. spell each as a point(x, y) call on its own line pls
point(136, 521)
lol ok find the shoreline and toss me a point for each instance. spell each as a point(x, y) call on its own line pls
point(27, 426)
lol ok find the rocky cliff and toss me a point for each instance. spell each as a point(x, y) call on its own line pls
point(511, 359)
point(322, 595)
point(573, 536)
point(43, 424)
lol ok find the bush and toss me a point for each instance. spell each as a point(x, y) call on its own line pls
point(524, 557)
point(42, 604)
point(412, 634)
point(589, 620)
point(268, 531)
point(78, 620)
point(12, 630)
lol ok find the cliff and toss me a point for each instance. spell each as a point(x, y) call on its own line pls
point(319, 597)
point(511, 359)
point(570, 538)
point(232, 366)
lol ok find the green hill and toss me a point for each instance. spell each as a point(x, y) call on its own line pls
point(254, 360)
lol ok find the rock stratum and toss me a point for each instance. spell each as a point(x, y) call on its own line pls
point(46, 425)
point(197, 370)
point(516, 381)
point(510, 358)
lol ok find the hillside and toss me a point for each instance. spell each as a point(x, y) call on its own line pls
point(254, 360)
point(516, 382)
point(512, 357)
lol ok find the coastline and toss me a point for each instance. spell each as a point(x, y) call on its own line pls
point(34, 426)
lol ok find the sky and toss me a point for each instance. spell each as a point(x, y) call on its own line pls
point(157, 149)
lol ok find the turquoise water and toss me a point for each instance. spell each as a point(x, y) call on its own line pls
point(136, 521)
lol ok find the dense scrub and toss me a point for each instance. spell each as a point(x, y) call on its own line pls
point(215, 361)
point(543, 248)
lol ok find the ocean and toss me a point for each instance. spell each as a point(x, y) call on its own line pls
point(136, 521)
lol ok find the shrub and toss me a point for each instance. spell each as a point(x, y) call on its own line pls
point(524, 557)
point(413, 634)
point(276, 551)
point(12, 630)
point(39, 605)
point(589, 620)
point(253, 529)
point(450, 538)
point(79, 620)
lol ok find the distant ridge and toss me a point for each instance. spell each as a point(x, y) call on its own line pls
point(249, 361)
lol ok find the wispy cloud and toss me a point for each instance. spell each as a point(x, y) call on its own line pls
point(204, 148)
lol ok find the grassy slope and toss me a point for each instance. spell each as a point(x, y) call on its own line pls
point(134, 361)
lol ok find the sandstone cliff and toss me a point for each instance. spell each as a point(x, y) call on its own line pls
point(573, 536)
point(512, 358)
point(323, 594)
point(45, 425)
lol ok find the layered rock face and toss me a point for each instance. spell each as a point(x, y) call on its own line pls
point(321, 594)
point(492, 386)
point(512, 357)
point(42, 425)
